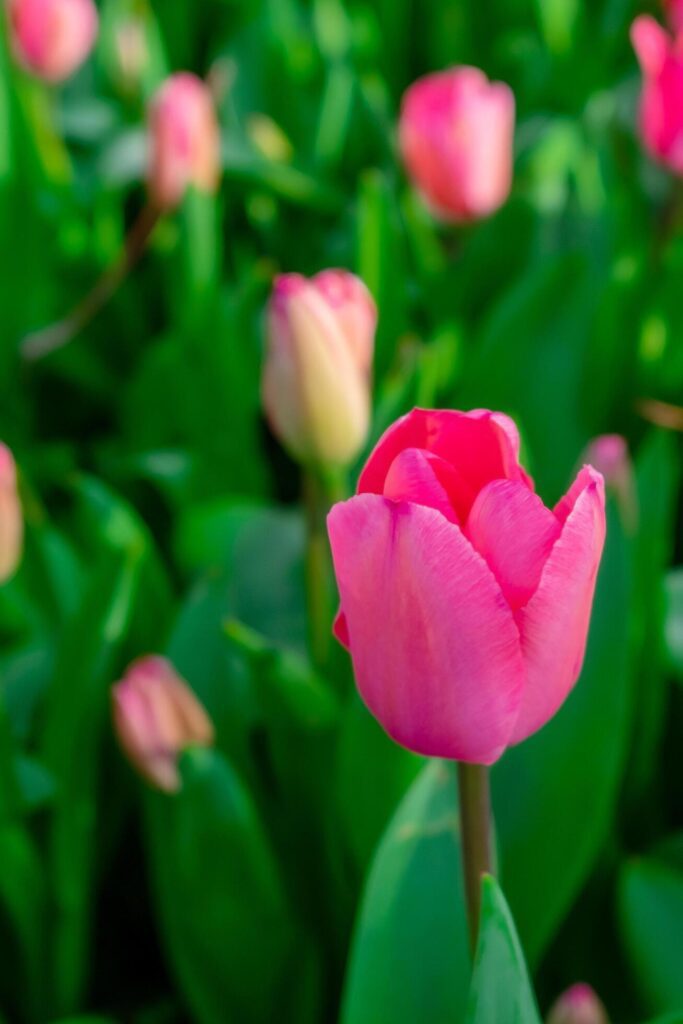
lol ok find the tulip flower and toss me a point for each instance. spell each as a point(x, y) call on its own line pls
point(578, 1005)
point(609, 454)
point(156, 716)
point(465, 602)
point(661, 110)
point(52, 38)
point(184, 140)
point(11, 519)
point(674, 14)
point(456, 134)
point(316, 375)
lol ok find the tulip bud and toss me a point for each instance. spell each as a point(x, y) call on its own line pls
point(316, 376)
point(609, 454)
point(674, 14)
point(184, 140)
point(11, 520)
point(661, 113)
point(131, 53)
point(578, 1005)
point(156, 716)
point(456, 134)
point(52, 38)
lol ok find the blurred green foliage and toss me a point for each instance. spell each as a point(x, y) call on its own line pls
point(309, 868)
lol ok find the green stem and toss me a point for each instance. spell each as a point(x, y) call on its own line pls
point(320, 492)
point(475, 833)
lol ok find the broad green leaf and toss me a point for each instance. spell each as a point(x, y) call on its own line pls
point(409, 959)
point(673, 626)
point(501, 990)
point(651, 914)
point(557, 791)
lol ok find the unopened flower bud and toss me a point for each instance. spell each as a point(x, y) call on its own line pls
point(184, 140)
point(316, 376)
point(578, 1005)
point(11, 519)
point(609, 454)
point(52, 38)
point(156, 716)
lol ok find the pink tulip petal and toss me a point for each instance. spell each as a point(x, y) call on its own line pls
point(341, 629)
point(435, 647)
point(478, 446)
point(424, 479)
point(651, 43)
point(513, 530)
point(554, 624)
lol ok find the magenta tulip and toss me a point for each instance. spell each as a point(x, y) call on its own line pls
point(456, 135)
point(674, 14)
point(661, 103)
point(578, 1005)
point(184, 140)
point(465, 602)
point(11, 518)
point(52, 38)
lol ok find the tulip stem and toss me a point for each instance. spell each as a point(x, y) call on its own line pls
point(318, 569)
point(48, 339)
point(475, 837)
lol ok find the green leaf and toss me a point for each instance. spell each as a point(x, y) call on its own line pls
point(409, 959)
point(557, 791)
point(673, 626)
point(225, 919)
point(500, 990)
point(651, 914)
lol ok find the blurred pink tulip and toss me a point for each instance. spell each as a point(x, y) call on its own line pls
point(578, 1005)
point(184, 140)
point(609, 454)
point(11, 518)
point(456, 134)
point(316, 374)
point(674, 14)
point(661, 103)
point(465, 602)
point(156, 716)
point(52, 38)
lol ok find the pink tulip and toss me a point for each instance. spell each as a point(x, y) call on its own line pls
point(156, 716)
point(465, 602)
point(609, 454)
point(578, 1005)
point(316, 375)
point(52, 38)
point(184, 140)
point(456, 134)
point(674, 14)
point(11, 519)
point(661, 103)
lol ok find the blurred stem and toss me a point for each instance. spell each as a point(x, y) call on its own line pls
point(41, 343)
point(475, 835)
point(320, 491)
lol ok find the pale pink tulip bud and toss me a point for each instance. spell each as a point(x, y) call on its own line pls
point(11, 519)
point(661, 110)
point(578, 1005)
point(674, 14)
point(132, 55)
point(52, 38)
point(456, 133)
point(609, 454)
point(156, 716)
point(184, 140)
point(316, 375)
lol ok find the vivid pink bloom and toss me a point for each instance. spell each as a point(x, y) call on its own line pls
point(609, 454)
point(578, 1005)
point(184, 140)
point(11, 518)
point(674, 14)
point(661, 103)
point(156, 716)
point(52, 38)
point(456, 134)
point(316, 374)
point(465, 602)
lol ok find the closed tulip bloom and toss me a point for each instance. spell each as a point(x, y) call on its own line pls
point(52, 38)
point(316, 374)
point(578, 1005)
point(674, 14)
point(11, 519)
point(184, 140)
point(456, 134)
point(609, 454)
point(156, 716)
point(661, 102)
point(465, 602)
